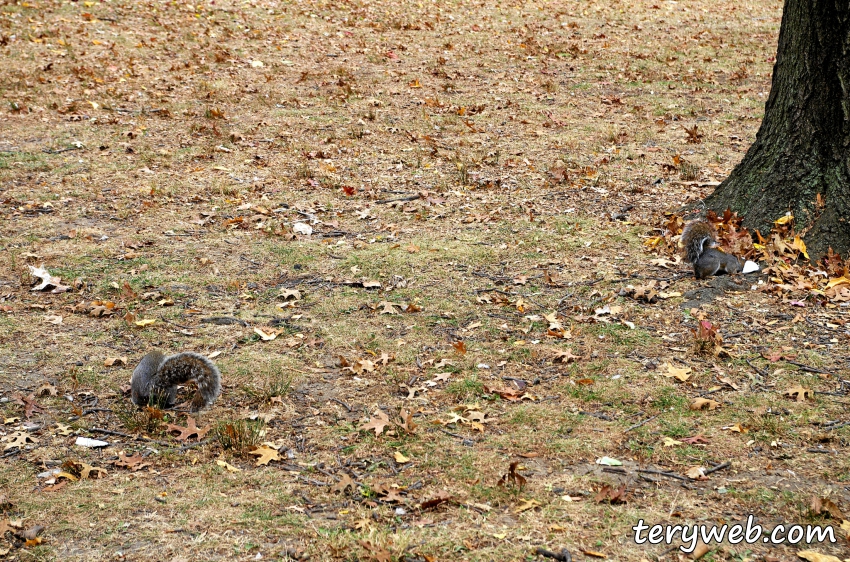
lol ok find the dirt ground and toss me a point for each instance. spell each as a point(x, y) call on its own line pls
point(429, 246)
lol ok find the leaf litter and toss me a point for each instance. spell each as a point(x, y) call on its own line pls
point(372, 183)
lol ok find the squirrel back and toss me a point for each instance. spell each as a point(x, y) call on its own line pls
point(699, 240)
point(158, 375)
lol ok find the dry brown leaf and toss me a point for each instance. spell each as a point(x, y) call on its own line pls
point(704, 404)
point(813, 556)
point(696, 473)
point(375, 552)
point(799, 393)
point(344, 482)
point(134, 463)
point(681, 374)
point(378, 422)
point(266, 454)
point(188, 431)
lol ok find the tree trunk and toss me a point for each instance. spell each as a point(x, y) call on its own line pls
point(800, 160)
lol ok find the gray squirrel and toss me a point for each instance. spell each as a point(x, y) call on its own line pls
point(156, 377)
point(699, 239)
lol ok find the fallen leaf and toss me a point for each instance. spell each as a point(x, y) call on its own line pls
point(265, 336)
point(228, 466)
point(681, 374)
point(611, 495)
point(512, 477)
point(378, 422)
point(813, 556)
point(460, 347)
point(188, 431)
point(670, 442)
point(439, 498)
point(704, 404)
point(266, 454)
point(134, 463)
point(696, 439)
point(696, 473)
point(375, 552)
point(798, 393)
point(344, 483)
point(700, 551)
point(526, 505)
point(48, 281)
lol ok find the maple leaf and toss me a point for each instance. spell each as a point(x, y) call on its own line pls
point(188, 431)
point(798, 393)
point(266, 454)
point(378, 422)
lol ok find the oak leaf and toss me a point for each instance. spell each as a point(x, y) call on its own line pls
point(798, 393)
point(188, 431)
point(266, 454)
point(378, 422)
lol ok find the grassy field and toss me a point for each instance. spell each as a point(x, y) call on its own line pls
point(437, 214)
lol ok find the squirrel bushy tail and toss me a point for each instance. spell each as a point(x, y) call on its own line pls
point(158, 375)
point(697, 237)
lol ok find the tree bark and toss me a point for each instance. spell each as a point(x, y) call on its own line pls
point(801, 155)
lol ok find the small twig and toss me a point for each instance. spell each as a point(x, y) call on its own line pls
point(116, 433)
point(595, 415)
point(637, 425)
point(93, 410)
point(343, 404)
point(398, 199)
point(821, 451)
point(455, 435)
point(563, 556)
point(762, 372)
point(61, 150)
point(809, 369)
point(720, 466)
point(660, 473)
point(311, 481)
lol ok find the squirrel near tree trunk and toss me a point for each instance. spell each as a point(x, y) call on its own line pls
point(156, 377)
point(699, 239)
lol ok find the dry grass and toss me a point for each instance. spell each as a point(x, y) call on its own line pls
point(150, 160)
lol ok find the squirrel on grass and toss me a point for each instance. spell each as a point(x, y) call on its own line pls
point(699, 239)
point(156, 377)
